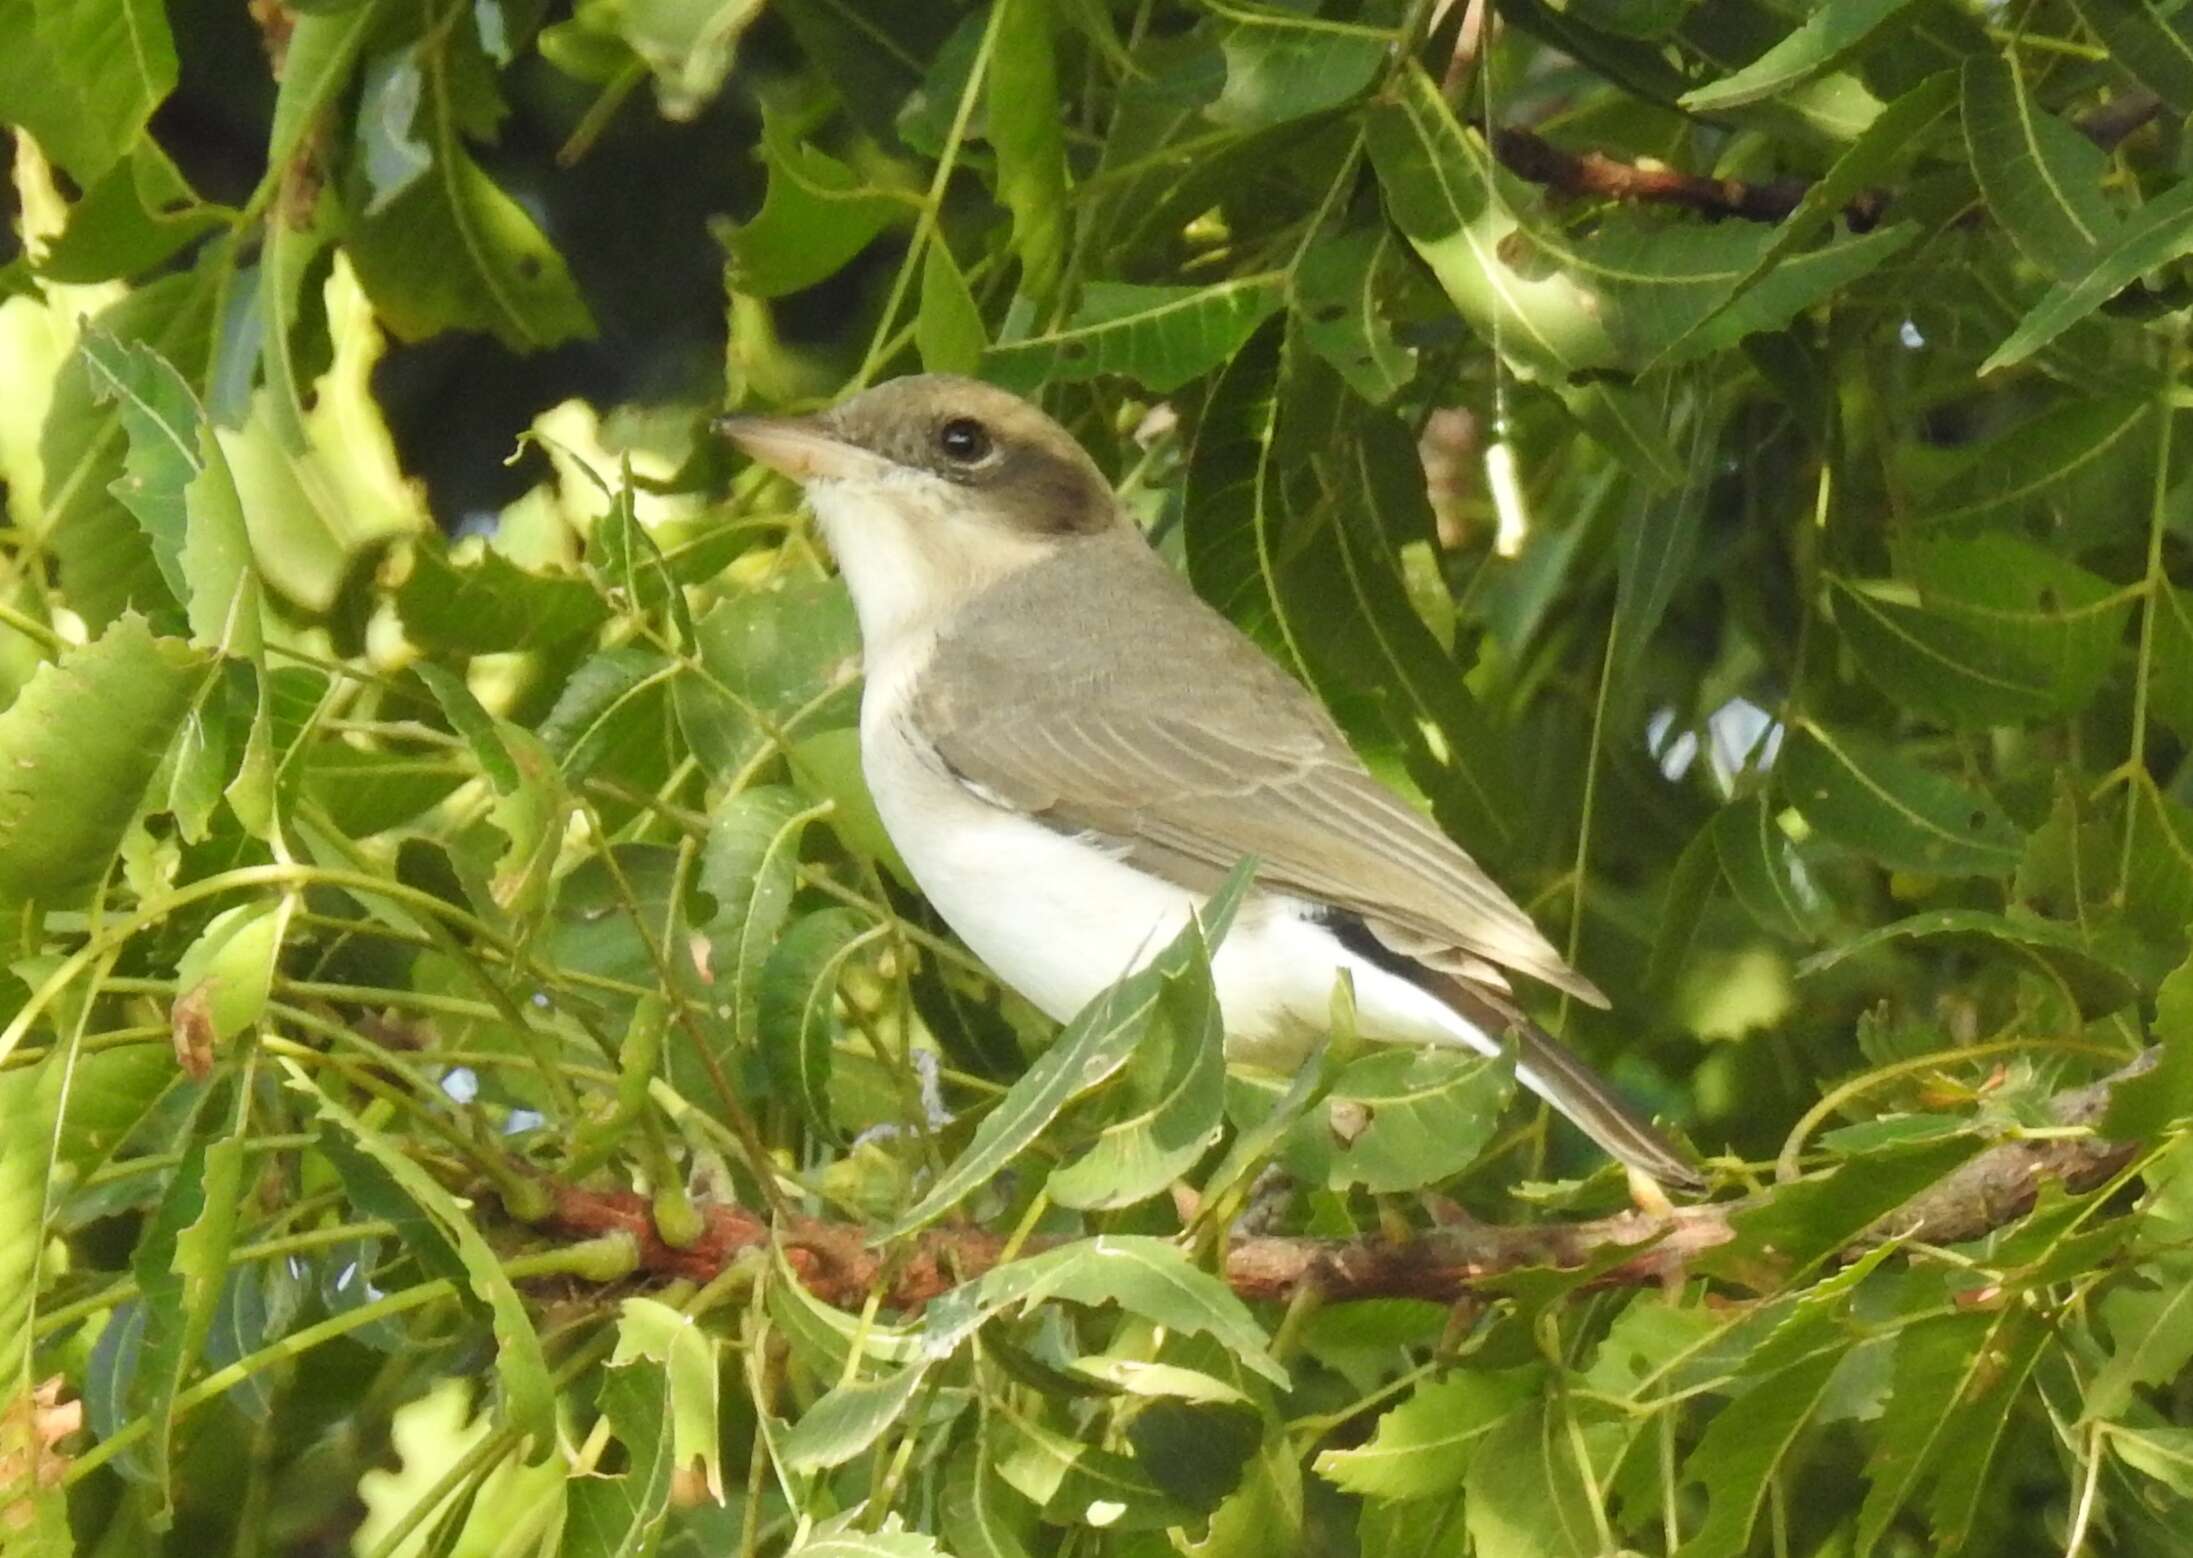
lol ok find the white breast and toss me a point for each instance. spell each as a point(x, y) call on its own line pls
point(1058, 917)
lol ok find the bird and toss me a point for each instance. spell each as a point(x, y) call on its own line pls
point(1070, 750)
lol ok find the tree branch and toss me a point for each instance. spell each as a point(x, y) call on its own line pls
point(839, 1265)
point(1530, 156)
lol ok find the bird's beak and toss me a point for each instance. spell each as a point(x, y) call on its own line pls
point(799, 447)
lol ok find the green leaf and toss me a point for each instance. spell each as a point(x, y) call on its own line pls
point(230, 967)
point(1175, 1095)
point(1764, 871)
point(1936, 664)
point(2152, 46)
point(317, 65)
point(30, 1101)
point(139, 213)
point(1422, 1448)
point(1659, 542)
point(487, 604)
point(948, 330)
point(1458, 211)
point(1683, 907)
point(180, 1263)
point(1161, 337)
point(689, 45)
point(106, 564)
point(775, 664)
point(1027, 130)
point(1340, 291)
point(474, 723)
point(449, 249)
point(2042, 178)
point(2056, 952)
point(1075, 1483)
point(177, 481)
point(2149, 1316)
point(1816, 1217)
point(1884, 805)
point(1093, 1047)
point(83, 76)
point(849, 1419)
point(623, 1515)
point(1149, 1278)
point(384, 1182)
point(979, 1515)
point(77, 749)
point(1956, 1380)
point(1281, 66)
point(1822, 42)
point(816, 215)
point(1743, 1449)
point(1431, 1112)
point(2032, 458)
point(2144, 1107)
point(843, 1538)
point(613, 708)
point(748, 866)
point(798, 1018)
point(1525, 1495)
point(1896, 136)
point(2159, 232)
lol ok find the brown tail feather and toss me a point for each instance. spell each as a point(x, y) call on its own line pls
point(1547, 1067)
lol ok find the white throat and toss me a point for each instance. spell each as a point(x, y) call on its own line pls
point(911, 553)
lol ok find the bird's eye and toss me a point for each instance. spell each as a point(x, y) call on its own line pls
point(964, 441)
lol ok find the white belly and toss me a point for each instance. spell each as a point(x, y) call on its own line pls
point(1058, 919)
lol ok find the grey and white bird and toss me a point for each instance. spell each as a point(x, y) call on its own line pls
point(1070, 749)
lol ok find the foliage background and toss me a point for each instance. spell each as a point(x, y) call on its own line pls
point(395, 835)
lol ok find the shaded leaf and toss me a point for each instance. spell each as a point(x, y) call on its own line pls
point(799, 1025)
point(2154, 47)
point(1884, 805)
point(2042, 178)
point(1027, 131)
point(1431, 1112)
point(1820, 43)
point(1764, 871)
point(2159, 232)
point(2056, 951)
point(816, 216)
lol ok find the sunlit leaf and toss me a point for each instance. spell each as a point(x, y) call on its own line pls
point(1159, 336)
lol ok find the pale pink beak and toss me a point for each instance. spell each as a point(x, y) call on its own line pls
point(798, 447)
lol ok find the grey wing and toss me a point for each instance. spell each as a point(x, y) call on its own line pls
point(1189, 801)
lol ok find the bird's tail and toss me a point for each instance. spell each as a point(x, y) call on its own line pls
point(1547, 1067)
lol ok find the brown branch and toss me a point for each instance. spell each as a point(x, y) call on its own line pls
point(839, 1264)
point(1530, 156)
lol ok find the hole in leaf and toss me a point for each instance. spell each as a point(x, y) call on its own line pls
point(2047, 597)
point(1329, 313)
point(1979, 822)
point(529, 267)
point(1074, 351)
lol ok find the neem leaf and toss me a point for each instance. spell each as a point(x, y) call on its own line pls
point(2156, 234)
point(384, 1182)
point(622, 1515)
point(2042, 178)
point(180, 1262)
point(1884, 805)
point(948, 329)
point(1821, 42)
point(1431, 1113)
point(176, 481)
point(850, 1418)
point(77, 749)
point(1028, 133)
point(1149, 1278)
point(1159, 336)
point(1340, 293)
point(1763, 870)
point(2152, 46)
point(1743, 1447)
point(1458, 210)
point(1281, 67)
point(798, 1018)
point(1092, 1048)
point(1175, 1088)
point(1422, 1447)
point(816, 215)
point(2058, 952)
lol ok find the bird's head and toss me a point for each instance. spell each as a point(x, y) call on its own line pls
point(930, 488)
